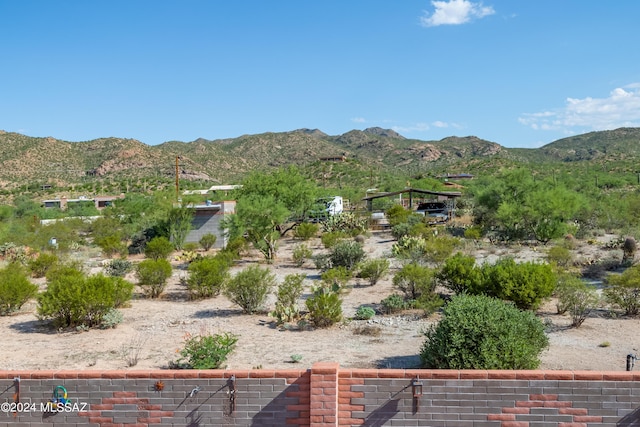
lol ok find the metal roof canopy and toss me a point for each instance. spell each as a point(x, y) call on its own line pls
point(448, 194)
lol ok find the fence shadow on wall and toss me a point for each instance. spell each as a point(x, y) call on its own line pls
point(630, 420)
point(286, 405)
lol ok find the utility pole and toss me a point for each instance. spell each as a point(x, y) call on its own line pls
point(177, 178)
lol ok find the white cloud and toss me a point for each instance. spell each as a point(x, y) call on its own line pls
point(455, 12)
point(359, 120)
point(620, 109)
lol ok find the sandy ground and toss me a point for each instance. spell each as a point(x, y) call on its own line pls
point(154, 330)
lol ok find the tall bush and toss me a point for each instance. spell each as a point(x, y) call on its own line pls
point(413, 280)
point(623, 290)
point(479, 332)
point(71, 299)
point(346, 254)
point(158, 248)
point(15, 288)
point(207, 276)
point(250, 288)
point(153, 275)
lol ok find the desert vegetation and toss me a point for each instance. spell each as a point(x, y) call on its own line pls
point(433, 272)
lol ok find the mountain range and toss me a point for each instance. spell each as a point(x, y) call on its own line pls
point(36, 160)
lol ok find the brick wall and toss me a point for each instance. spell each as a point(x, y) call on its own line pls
point(324, 396)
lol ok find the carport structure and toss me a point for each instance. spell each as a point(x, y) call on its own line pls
point(448, 197)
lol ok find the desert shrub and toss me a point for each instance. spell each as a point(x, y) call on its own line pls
point(207, 241)
point(112, 245)
point(325, 306)
point(576, 297)
point(206, 351)
point(158, 248)
point(364, 313)
point(71, 299)
point(479, 332)
point(401, 230)
point(15, 288)
point(288, 293)
point(111, 319)
point(473, 233)
point(118, 267)
point(428, 302)
point(413, 280)
point(394, 303)
point(306, 230)
point(559, 255)
point(250, 287)
point(346, 254)
point(623, 290)
point(526, 284)
point(235, 247)
point(301, 253)
point(397, 215)
point(330, 239)
point(40, 265)
point(373, 270)
point(336, 277)
point(152, 276)
point(461, 275)
point(207, 276)
point(322, 261)
point(190, 247)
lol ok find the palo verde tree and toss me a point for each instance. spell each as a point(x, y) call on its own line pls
point(268, 205)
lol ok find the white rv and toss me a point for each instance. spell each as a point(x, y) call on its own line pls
point(327, 206)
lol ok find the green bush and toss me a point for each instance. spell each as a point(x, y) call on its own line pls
point(429, 303)
point(111, 319)
point(71, 299)
point(473, 233)
point(623, 290)
point(15, 288)
point(325, 307)
point(373, 270)
point(346, 254)
point(413, 280)
point(118, 267)
point(479, 332)
point(461, 275)
point(306, 231)
point(526, 284)
point(288, 294)
point(559, 255)
point(301, 253)
point(250, 287)
point(576, 297)
point(394, 303)
point(152, 276)
point(206, 351)
point(345, 222)
point(330, 239)
point(336, 278)
point(397, 215)
point(40, 265)
point(158, 248)
point(364, 313)
point(401, 230)
point(207, 276)
point(207, 241)
point(112, 245)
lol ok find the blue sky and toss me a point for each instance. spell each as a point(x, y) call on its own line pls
point(521, 73)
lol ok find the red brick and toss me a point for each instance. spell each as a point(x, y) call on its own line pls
point(501, 375)
point(100, 420)
point(529, 404)
point(543, 396)
point(157, 414)
point(125, 394)
point(558, 404)
point(573, 411)
point(351, 381)
point(325, 368)
point(572, 425)
point(471, 374)
point(587, 375)
point(515, 424)
point(262, 373)
point(558, 375)
point(101, 407)
point(587, 419)
point(150, 420)
point(617, 376)
point(350, 421)
point(501, 417)
point(516, 410)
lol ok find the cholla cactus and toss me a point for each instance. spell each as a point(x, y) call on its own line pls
point(346, 222)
